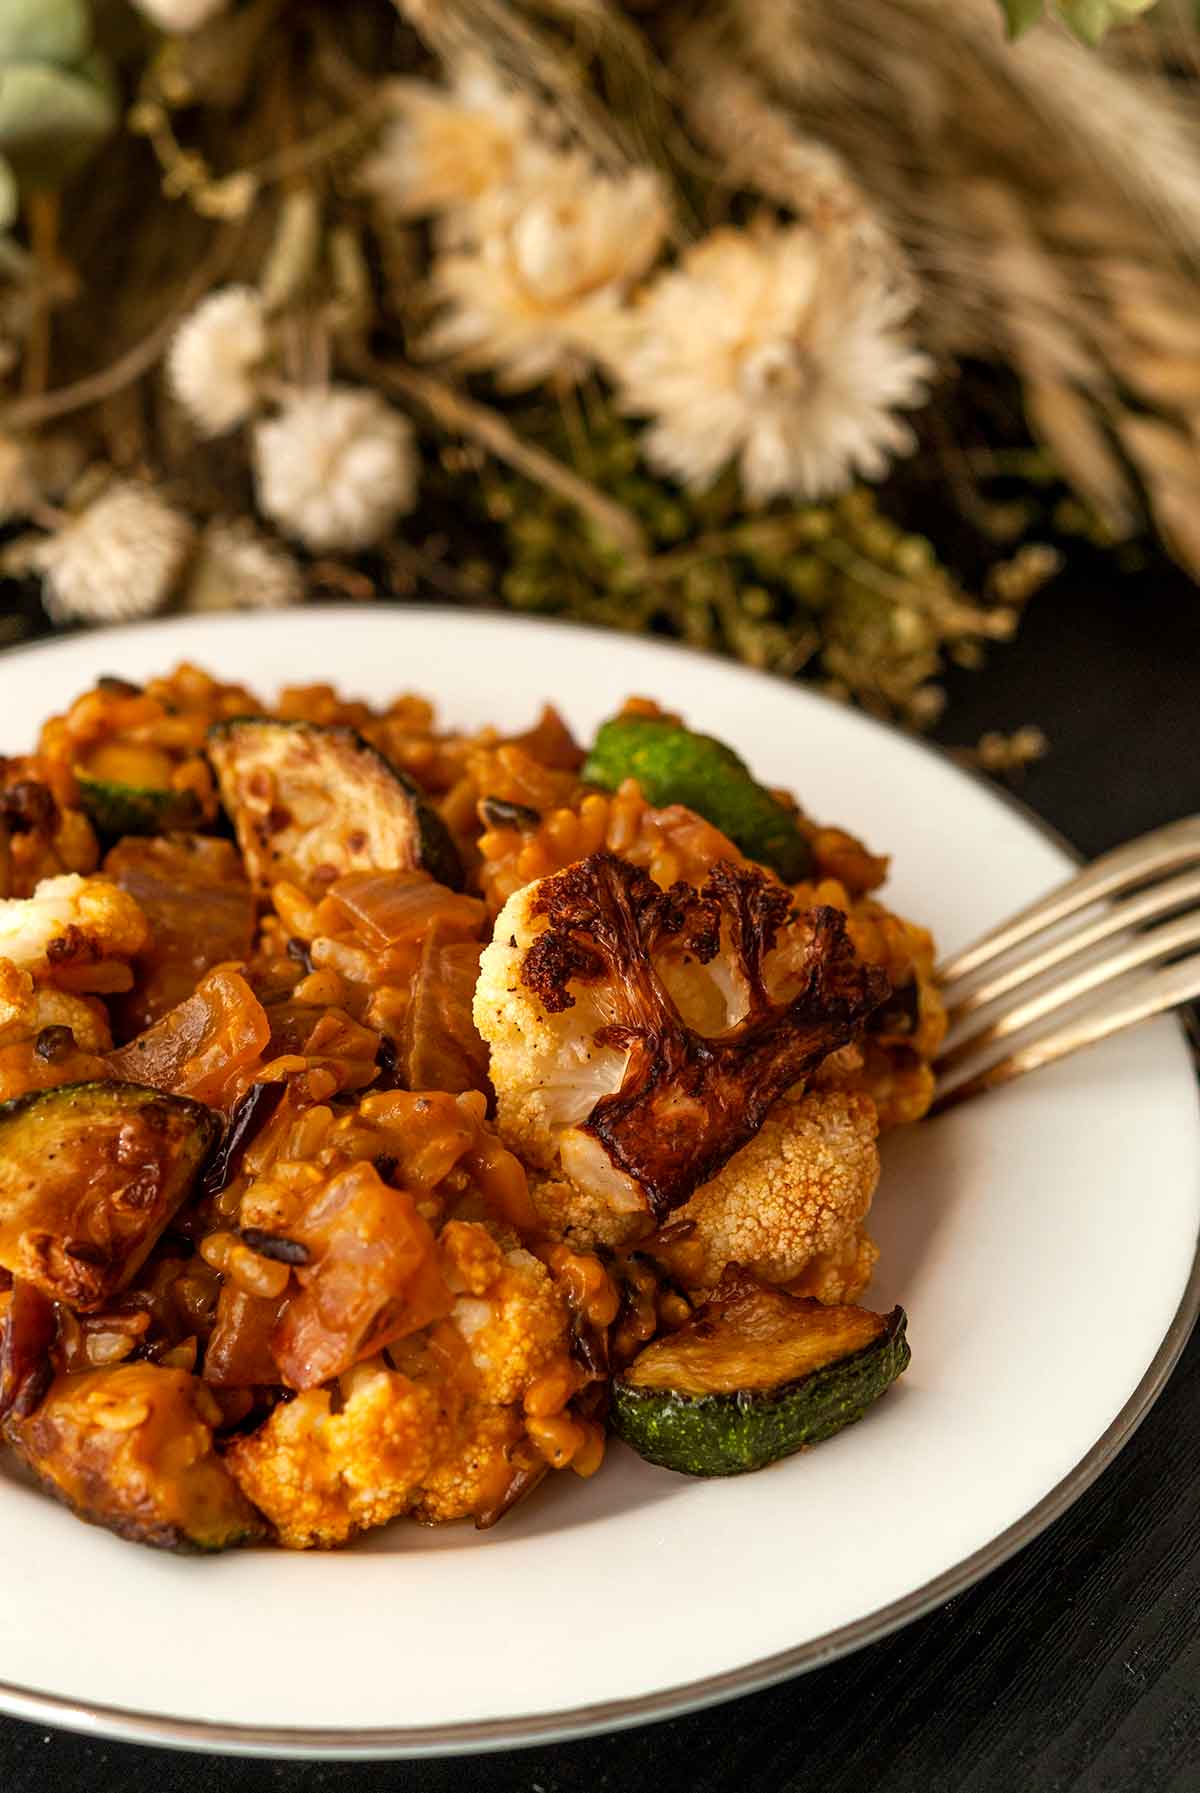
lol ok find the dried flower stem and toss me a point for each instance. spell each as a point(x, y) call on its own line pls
point(493, 30)
point(463, 416)
point(756, 140)
point(43, 234)
point(28, 413)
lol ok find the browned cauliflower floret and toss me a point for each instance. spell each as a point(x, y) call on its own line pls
point(515, 1328)
point(321, 1476)
point(447, 1440)
point(27, 1009)
point(71, 921)
point(639, 1037)
point(470, 1481)
point(796, 1193)
point(840, 1275)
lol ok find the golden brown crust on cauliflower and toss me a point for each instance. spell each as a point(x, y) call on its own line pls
point(513, 1328)
point(442, 1442)
point(71, 920)
point(840, 1275)
point(797, 1192)
point(469, 1480)
point(320, 1476)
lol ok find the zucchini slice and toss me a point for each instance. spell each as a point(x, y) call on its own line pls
point(753, 1376)
point(115, 809)
point(673, 764)
point(90, 1174)
point(311, 803)
point(131, 1448)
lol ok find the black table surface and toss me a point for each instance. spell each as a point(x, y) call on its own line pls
point(1074, 1668)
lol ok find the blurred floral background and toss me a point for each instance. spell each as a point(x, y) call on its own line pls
point(817, 334)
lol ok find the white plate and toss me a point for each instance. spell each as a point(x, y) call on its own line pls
point(1043, 1242)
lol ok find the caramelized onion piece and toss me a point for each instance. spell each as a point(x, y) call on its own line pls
point(26, 1367)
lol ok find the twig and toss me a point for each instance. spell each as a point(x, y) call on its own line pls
point(43, 233)
point(463, 416)
point(28, 413)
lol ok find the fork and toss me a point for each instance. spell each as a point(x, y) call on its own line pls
point(1124, 933)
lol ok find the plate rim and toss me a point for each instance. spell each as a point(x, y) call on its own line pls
point(476, 1736)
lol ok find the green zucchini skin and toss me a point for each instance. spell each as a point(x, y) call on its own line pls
point(672, 764)
point(366, 786)
point(731, 1434)
point(119, 809)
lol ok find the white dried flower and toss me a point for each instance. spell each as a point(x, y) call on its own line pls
point(181, 15)
point(551, 259)
point(215, 354)
point(118, 559)
point(238, 568)
point(444, 147)
point(782, 347)
point(335, 468)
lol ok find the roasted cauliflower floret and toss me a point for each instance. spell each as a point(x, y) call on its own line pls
point(796, 1193)
point(48, 1036)
point(443, 1433)
point(471, 1480)
point(71, 920)
point(321, 1475)
point(840, 1275)
point(514, 1328)
point(639, 1037)
point(27, 1009)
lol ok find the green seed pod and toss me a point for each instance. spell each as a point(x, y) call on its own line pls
point(57, 31)
point(52, 119)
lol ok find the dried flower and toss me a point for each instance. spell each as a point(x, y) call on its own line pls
point(238, 568)
point(552, 259)
point(118, 559)
point(335, 467)
point(181, 15)
point(777, 346)
point(214, 358)
point(445, 147)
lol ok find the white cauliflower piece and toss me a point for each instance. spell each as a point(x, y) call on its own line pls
point(639, 1037)
point(793, 1200)
point(71, 920)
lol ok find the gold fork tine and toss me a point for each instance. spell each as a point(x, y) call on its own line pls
point(1153, 855)
point(1131, 912)
point(1152, 994)
point(1156, 944)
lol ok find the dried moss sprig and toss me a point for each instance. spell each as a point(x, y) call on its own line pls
point(836, 591)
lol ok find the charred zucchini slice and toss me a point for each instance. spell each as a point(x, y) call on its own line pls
point(754, 1376)
point(131, 1448)
point(674, 765)
point(90, 1174)
point(311, 803)
point(115, 809)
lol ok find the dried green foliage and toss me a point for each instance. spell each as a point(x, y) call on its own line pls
point(1088, 19)
point(477, 298)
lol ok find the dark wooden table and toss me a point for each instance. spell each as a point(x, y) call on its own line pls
point(1076, 1667)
